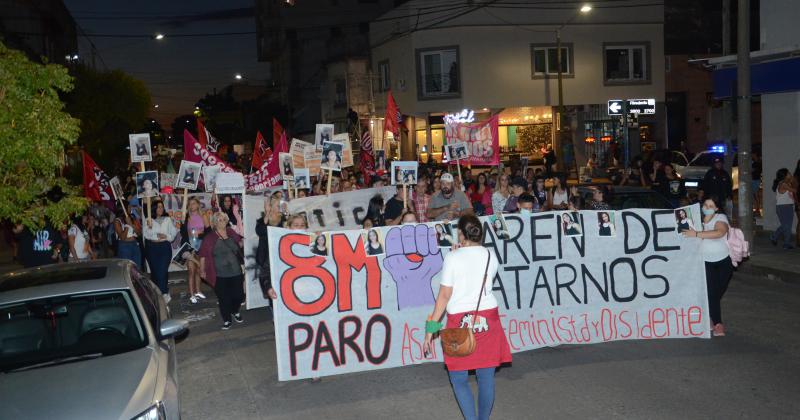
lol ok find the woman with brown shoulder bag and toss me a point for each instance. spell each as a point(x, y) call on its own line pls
point(473, 337)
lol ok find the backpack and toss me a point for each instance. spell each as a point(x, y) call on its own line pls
point(739, 247)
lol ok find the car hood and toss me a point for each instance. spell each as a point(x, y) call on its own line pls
point(113, 387)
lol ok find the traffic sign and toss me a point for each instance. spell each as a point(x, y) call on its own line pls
point(642, 106)
point(615, 107)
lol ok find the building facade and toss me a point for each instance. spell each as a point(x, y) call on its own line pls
point(40, 28)
point(300, 39)
point(502, 59)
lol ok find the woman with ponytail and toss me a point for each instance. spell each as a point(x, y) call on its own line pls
point(785, 193)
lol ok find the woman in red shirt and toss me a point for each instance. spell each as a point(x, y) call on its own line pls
point(480, 194)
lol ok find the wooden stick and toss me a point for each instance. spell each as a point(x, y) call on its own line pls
point(330, 179)
point(460, 180)
point(141, 166)
point(185, 203)
point(149, 209)
point(405, 197)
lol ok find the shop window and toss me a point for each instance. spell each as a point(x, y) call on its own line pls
point(626, 63)
point(544, 60)
point(438, 73)
point(384, 75)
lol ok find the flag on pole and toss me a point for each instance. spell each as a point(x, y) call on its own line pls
point(205, 138)
point(366, 160)
point(261, 152)
point(281, 146)
point(393, 118)
point(96, 184)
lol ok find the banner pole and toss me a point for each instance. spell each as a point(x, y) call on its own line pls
point(460, 180)
point(330, 179)
point(405, 197)
point(185, 204)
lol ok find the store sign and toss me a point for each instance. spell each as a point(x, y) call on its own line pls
point(465, 116)
point(642, 106)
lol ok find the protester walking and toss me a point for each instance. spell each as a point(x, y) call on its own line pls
point(558, 197)
point(193, 229)
point(480, 194)
point(785, 193)
point(421, 199)
point(272, 217)
point(716, 254)
point(449, 203)
point(159, 232)
point(717, 183)
point(501, 194)
point(221, 261)
point(78, 239)
point(466, 295)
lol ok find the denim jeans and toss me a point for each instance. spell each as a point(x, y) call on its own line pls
point(786, 218)
point(130, 250)
point(460, 381)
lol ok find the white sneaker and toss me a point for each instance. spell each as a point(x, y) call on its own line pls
point(167, 298)
point(193, 299)
point(200, 295)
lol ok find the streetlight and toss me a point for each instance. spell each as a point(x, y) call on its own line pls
point(238, 76)
point(155, 106)
point(159, 37)
point(586, 8)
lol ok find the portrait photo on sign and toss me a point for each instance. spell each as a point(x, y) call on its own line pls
point(570, 223)
point(319, 244)
point(140, 147)
point(683, 219)
point(323, 133)
point(606, 223)
point(373, 243)
point(147, 184)
point(499, 227)
point(404, 172)
point(286, 165)
point(380, 160)
point(189, 174)
point(183, 254)
point(116, 189)
point(331, 156)
point(302, 179)
point(444, 235)
point(210, 177)
point(457, 151)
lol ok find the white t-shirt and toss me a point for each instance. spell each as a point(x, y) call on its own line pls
point(81, 240)
point(715, 249)
point(463, 271)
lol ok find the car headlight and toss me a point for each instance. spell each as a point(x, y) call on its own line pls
point(155, 412)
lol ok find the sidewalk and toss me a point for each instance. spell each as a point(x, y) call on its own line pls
point(767, 260)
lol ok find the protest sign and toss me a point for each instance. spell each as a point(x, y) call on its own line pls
point(168, 180)
point(297, 150)
point(140, 147)
point(347, 150)
point(116, 189)
point(147, 184)
point(229, 183)
point(337, 211)
point(188, 175)
point(348, 312)
point(481, 139)
point(323, 133)
point(313, 159)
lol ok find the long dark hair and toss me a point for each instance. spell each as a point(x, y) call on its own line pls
point(374, 211)
point(779, 177)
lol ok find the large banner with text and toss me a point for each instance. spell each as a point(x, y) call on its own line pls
point(357, 300)
point(481, 138)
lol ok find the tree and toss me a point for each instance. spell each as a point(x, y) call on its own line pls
point(531, 139)
point(111, 105)
point(35, 130)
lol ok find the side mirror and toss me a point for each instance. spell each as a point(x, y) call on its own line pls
point(173, 327)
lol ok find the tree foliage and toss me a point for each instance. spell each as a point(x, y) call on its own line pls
point(531, 139)
point(34, 129)
point(111, 105)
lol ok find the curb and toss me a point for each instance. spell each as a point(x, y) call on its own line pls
point(747, 267)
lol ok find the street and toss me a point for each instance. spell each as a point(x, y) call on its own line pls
point(752, 372)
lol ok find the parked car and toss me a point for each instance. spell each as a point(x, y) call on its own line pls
point(692, 172)
point(90, 340)
point(625, 197)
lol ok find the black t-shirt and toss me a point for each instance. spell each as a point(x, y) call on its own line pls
point(394, 208)
point(37, 248)
point(756, 171)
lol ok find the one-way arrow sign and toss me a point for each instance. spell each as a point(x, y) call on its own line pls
point(615, 107)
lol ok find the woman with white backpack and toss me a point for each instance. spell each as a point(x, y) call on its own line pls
point(716, 254)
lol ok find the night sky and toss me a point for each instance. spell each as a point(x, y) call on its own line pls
point(178, 71)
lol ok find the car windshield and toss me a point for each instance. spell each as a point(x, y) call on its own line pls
point(66, 328)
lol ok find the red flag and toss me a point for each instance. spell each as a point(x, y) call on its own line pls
point(96, 183)
point(281, 146)
point(261, 152)
point(393, 118)
point(205, 138)
point(366, 160)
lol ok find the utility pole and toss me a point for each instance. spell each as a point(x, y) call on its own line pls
point(745, 210)
point(727, 106)
point(560, 113)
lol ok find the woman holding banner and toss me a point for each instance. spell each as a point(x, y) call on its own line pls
point(719, 267)
point(275, 218)
point(464, 273)
point(159, 231)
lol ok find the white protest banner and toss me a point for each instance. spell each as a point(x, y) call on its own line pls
point(338, 211)
point(349, 312)
point(482, 139)
point(229, 183)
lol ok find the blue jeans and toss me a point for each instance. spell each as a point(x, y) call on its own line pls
point(460, 381)
point(130, 250)
point(786, 218)
point(159, 256)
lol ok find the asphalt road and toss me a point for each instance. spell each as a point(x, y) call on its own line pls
point(752, 372)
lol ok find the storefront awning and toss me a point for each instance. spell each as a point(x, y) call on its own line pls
point(772, 71)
